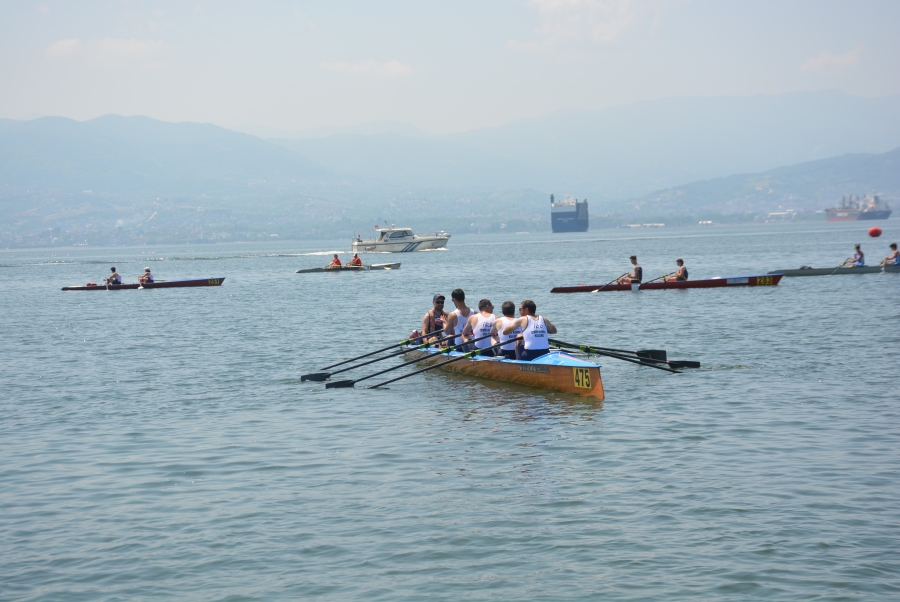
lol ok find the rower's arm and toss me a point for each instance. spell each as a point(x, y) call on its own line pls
point(513, 325)
point(551, 329)
point(469, 328)
point(450, 324)
point(425, 324)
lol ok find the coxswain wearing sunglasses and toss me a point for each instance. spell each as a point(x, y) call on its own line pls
point(435, 320)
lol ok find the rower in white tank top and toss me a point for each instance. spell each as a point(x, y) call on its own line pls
point(508, 350)
point(535, 332)
point(534, 335)
point(483, 329)
point(460, 325)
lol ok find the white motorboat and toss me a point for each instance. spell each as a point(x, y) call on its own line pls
point(399, 240)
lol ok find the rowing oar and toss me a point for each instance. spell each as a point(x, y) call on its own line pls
point(320, 376)
point(616, 279)
point(400, 344)
point(843, 263)
point(597, 351)
point(658, 277)
point(340, 384)
point(450, 361)
point(647, 355)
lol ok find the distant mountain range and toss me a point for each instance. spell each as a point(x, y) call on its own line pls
point(624, 151)
point(135, 155)
point(134, 179)
point(810, 187)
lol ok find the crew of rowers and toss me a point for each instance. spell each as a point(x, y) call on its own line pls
point(116, 278)
point(335, 264)
point(858, 259)
point(636, 274)
point(472, 330)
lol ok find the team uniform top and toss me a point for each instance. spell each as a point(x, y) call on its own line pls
point(504, 322)
point(534, 336)
point(483, 329)
point(460, 325)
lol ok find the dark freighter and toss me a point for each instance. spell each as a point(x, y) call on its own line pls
point(569, 215)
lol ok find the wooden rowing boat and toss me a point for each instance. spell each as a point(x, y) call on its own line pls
point(557, 370)
point(771, 279)
point(353, 268)
point(836, 271)
point(159, 284)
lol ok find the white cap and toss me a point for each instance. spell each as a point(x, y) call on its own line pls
point(146, 269)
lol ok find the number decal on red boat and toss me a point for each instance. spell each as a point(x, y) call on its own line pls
point(582, 377)
point(214, 282)
point(763, 280)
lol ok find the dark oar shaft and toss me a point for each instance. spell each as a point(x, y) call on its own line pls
point(597, 351)
point(616, 279)
point(395, 354)
point(350, 383)
point(405, 342)
point(450, 361)
point(658, 277)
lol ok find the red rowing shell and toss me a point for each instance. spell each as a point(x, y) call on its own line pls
point(717, 282)
point(166, 284)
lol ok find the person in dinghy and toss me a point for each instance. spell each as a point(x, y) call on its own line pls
point(535, 332)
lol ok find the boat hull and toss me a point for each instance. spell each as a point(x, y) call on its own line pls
point(350, 268)
point(717, 282)
point(557, 371)
point(406, 246)
point(149, 285)
point(854, 216)
point(838, 271)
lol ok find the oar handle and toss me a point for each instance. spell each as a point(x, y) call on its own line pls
point(401, 343)
point(658, 277)
point(450, 361)
point(442, 351)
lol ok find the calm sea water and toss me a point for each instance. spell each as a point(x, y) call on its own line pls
point(160, 445)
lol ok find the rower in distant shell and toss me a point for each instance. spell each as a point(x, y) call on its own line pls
point(115, 277)
point(681, 274)
point(356, 262)
point(893, 258)
point(634, 277)
point(335, 263)
point(858, 259)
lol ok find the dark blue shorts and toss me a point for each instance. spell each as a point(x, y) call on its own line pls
point(530, 354)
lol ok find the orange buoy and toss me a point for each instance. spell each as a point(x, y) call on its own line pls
point(874, 231)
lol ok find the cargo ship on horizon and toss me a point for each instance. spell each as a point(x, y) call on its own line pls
point(569, 215)
point(864, 209)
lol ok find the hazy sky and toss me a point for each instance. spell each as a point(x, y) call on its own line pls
point(443, 67)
